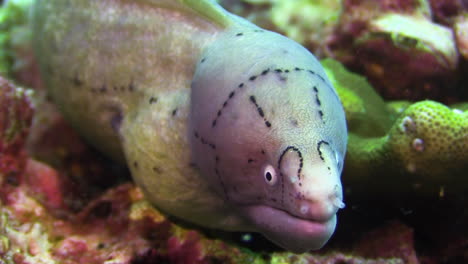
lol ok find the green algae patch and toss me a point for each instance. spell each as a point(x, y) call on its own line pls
point(14, 30)
point(366, 112)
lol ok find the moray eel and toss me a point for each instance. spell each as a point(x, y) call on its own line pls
point(222, 123)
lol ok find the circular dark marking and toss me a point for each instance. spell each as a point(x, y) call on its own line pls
point(231, 94)
point(239, 34)
point(203, 60)
point(241, 85)
point(297, 69)
point(153, 100)
point(157, 170)
point(321, 114)
point(252, 78)
point(250, 160)
point(265, 72)
point(268, 124)
point(278, 70)
point(103, 88)
point(286, 71)
point(263, 152)
point(294, 122)
point(174, 112)
point(131, 86)
point(135, 164)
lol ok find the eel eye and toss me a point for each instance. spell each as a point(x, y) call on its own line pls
point(270, 175)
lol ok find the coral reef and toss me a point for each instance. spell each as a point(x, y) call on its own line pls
point(405, 159)
point(118, 226)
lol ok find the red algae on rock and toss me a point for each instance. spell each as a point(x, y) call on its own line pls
point(16, 113)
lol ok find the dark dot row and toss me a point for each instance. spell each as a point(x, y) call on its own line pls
point(218, 174)
point(318, 102)
point(256, 31)
point(260, 111)
point(204, 141)
point(263, 73)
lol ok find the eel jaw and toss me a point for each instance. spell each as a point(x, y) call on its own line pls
point(292, 233)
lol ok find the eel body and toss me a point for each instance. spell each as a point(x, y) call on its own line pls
point(222, 123)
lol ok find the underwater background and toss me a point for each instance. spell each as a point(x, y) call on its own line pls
point(400, 69)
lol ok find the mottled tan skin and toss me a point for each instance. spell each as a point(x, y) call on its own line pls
point(94, 83)
point(144, 81)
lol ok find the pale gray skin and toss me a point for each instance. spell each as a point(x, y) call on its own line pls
point(222, 123)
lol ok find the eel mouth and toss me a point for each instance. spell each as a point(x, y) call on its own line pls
point(289, 231)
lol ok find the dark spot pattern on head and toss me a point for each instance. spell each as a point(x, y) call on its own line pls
point(212, 146)
point(319, 144)
point(282, 75)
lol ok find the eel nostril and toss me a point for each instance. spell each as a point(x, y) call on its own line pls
point(338, 203)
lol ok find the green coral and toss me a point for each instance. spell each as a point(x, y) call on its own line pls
point(399, 147)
